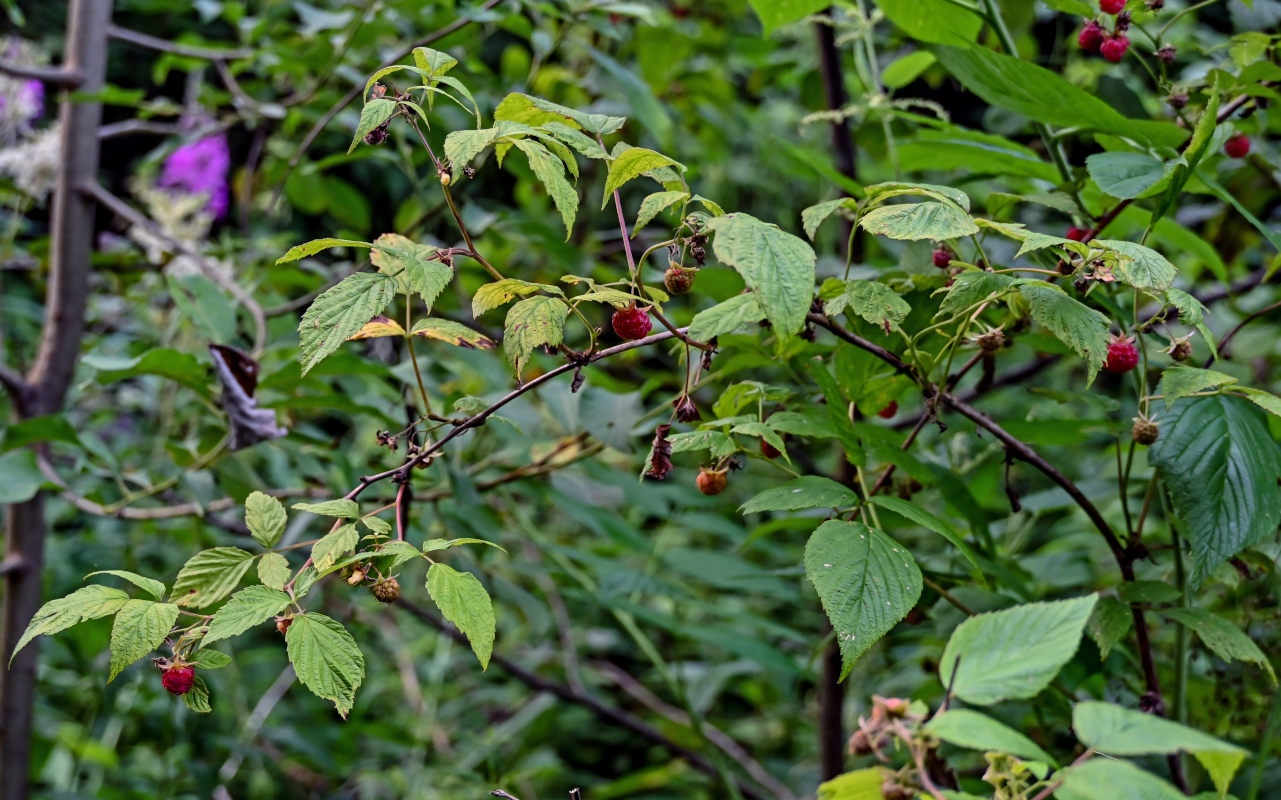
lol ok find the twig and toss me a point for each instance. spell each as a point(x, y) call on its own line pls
point(165, 46)
point(1227, 338)
point(54, 76)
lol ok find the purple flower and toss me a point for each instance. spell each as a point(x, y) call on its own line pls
point(201, 168)
point(33, 95)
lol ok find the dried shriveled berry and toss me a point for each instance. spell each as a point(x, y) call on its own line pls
point(1177, 100)
point(1237, 146)
point(178, 679)
point(1166, 54)
point(283, 623)
point(386, 590)
point(1114, 47)
point(712, 481)
point(678, 280)
point(1145, 431)
point(1123, 356)
point(992, 341)
point(632, 322)
point(1181, 350)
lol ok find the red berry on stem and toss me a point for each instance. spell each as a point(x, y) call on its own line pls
point(1090, 37)
point(1114, 47)
point(632, 322)
point(1237, 146)
point(1077, 234)
point(942, 257)
point(888, 411)
point(711, 481)
point(178, 680)
point(1111, 6)
point(1123, 356)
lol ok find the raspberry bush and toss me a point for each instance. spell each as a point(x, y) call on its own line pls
point(928, 452)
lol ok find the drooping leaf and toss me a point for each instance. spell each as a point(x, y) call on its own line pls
point(412, 266)
point(1100, 777)
point(532, 322)
point(866, 581)
point(880, 192)
point(265, 517)
point(140, 627)
point(326, 551)
point(1072, 322)
point(971, 288)
point(198, 698)
point(1180, 381)
point(1220, 465)
point(726, 317)
point(464, 602)
point(273, 570)
point(654, 205)
point(873, 301)
point(340, 312)
point(248, 607)
point(551, 171)
point(493, 295)
point(151, 586)
point(1142, 266)
point(326, 658)
point(87, 602)
point(1109, 624)
point(343, 508)
point(1013, 653)
point(814, 216)
point(916, 221)
point(209, 576)
point(1222, 638)
point(537, 111)
point(861, 784)
point(315, 246)
point(375, 113)
point(808, 491)
point(456, 333)
point(965, 728)
point(632, 163)
point(929, 521)
point(1125, 175)
point(777, 265)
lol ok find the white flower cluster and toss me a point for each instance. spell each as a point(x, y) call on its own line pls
point(28, 155)
point(183, 217)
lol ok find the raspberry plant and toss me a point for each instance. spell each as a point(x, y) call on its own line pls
point(835, 348)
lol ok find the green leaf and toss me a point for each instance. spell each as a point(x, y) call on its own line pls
point(343, 509)
point(1039, 94)
point(1109, 624)
point(925, 519)
point(726, 317)
point(971, 288)
point(970, 729)
point(1180, 381)
point(875, 302)
point(326, 658)
point(1072, 322)
point(1099, 777)
point(551, 171)
point(1220, 465)
point(530, 323)
point(341, 312)
point(1014, 653)
point(808, 491)
point(905, 69)
point(814, 216)
point(1125, 175)
point(915, 221)
point(211, 659)
point(265, 517)
point(774, 14)
point(315, 246)
point(151, 586)
point(933, 21)
point(464, 602)
point(198, 698)
point(777, 265)
point(861, 784)
point(1221, 637)
point(537, 111)
point(455, 333)
point(880, 192)
point(273, 570)
point(375, 113)
point(493, 295)
point(653, 205)
point(866, 581)
point(412, 266)
point(248, 607)
point(632, 163)
point(209, 576)
point(1265, 400)
point(140, 627)
point(464, 145)
point(327, 549)
point(1148, 592)
point(433, 62)
point(1116, 731)
point(85, 603)
point(1142, 266)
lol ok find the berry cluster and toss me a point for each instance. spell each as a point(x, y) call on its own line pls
point(1094, 38)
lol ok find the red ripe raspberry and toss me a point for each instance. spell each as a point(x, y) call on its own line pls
point(1123, 356)
point(768, 450)
point(1090, 37)
point(632, 322)
point(1237, 146)
point(1114, 47)
point(942, 258)
point(1111, 6)
point(1077, 234)
point(889, 411)
point(711, 481)
point(178, 680)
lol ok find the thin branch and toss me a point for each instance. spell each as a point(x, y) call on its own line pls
point(1227, 338)
point(54, 76)
point(13, 381)
point(607, 713)
point(165, 46)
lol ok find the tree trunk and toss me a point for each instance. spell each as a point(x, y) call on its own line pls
point(46, 385)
